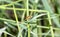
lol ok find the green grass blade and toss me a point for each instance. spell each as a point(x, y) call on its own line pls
point(48, 8)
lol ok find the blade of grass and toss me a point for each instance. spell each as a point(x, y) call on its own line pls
point(48, 8)
point(9, 34)
point(47, 33)
point(51, 28)
point(2, 30)
point(11, 3)
point(27, 8)
point(39, 29)
point(16, 19)
point(9, 25)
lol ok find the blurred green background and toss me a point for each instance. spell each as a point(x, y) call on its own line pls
point(29, 18)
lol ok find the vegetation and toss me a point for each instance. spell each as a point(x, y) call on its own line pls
point(29, 18)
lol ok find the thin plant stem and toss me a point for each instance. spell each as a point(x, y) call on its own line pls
point(39, 29)
point(16, 19)
point(51, 28)
point(27, 19)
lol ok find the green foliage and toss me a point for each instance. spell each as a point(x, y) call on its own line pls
point(29, 18)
